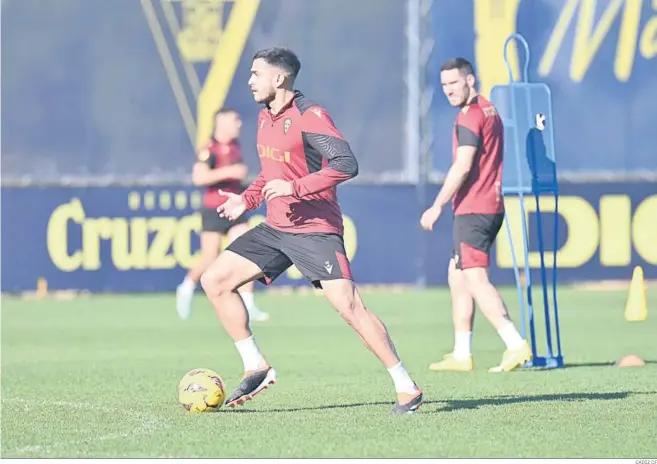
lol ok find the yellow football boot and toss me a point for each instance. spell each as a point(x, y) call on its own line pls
point(514, 358)
point(449, 364)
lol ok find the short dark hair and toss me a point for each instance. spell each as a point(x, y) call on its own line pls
point(283, 58)
point(463, 65)
point(225, 110)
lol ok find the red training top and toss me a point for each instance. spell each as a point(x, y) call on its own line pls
point(479, 125)
point(220, 155)
point(302, 145)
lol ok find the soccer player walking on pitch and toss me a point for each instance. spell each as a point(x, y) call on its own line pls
point(219, 165)
point(303, 158)
point(475, 182)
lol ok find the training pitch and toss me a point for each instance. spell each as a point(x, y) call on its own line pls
point(97, 377)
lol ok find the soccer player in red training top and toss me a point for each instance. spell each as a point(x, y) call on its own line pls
point(303, 157)
point(219, 165)
point(475, 182)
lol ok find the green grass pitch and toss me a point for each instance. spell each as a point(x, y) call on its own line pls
point(97, 377)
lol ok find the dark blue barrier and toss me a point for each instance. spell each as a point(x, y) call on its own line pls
point(122, 239)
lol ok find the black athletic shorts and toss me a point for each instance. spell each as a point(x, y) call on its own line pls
point(473, 237)
point(318, 256)
point(212, 222)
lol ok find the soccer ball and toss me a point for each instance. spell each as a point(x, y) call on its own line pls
point(201, 390)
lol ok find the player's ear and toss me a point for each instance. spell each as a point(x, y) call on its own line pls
point(471, 80)
point(279, 80)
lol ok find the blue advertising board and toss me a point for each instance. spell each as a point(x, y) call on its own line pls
point(121, 239)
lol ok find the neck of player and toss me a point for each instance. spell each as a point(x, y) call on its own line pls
point(281, 99)
point(473, 95)
point(222, 138)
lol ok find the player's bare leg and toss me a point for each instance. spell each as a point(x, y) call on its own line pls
point(492, 306)
point(345, 298)
point(210, 243)
point(463, 312)
point(460, 359)
point(246, 290)
point(220, 281)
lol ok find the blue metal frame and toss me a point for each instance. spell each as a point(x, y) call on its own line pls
point(538, 188)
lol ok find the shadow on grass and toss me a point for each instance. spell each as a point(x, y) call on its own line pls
point(456, 405)
point(597, 364)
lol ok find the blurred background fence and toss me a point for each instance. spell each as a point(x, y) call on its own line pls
point(104, 101)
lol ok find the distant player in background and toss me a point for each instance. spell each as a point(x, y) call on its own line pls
point(475, 182)
point(304, 158)
point(219, 166)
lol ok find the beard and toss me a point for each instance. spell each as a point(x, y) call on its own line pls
point(466, 98)
point(264, 98)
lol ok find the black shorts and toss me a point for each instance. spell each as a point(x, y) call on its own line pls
point(212, 222)
point(473, 237)
point(318, 256)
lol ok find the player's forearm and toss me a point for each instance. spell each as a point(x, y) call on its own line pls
point(453, 181)
point(252, 196)
point(207, 177)
point(323, 179)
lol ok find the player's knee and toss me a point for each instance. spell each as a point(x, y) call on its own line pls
point(216, 282)
point(343, 296)
point(350, 308)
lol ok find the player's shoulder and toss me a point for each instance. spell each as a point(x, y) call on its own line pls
point(309, 108)
point(303, 103)
point(476, 108)
point(485, 107)
point(314, 117)
point(474, 113)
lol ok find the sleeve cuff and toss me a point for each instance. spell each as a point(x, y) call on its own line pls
point(248, 204)
point(295, 190)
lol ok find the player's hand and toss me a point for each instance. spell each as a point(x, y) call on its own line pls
point(277, 188)
point(430, 216)
point(233, 208)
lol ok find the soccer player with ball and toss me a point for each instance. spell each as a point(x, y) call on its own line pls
point(303, 158)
